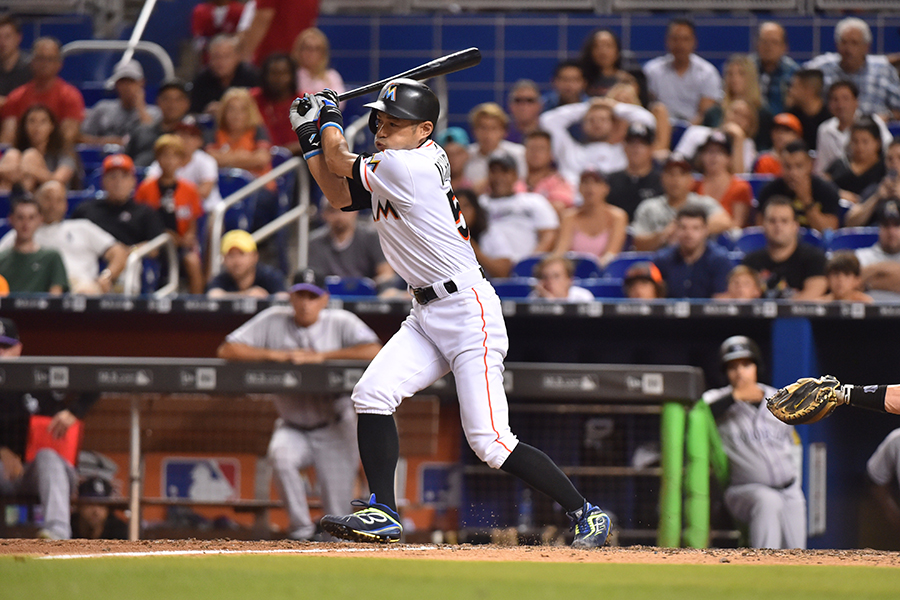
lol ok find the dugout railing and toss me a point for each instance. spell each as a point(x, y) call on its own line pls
point(571, 388)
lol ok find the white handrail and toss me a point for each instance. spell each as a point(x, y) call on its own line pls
point(156, 50)
point(134, 266)
point(300, 214)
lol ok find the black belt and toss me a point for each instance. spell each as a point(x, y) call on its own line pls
point(425, 295)
point(305, 429)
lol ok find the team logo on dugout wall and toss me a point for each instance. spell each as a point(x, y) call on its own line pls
point(209, 479)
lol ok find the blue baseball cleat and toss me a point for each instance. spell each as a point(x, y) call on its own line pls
point(592, 528)
point(375, 523)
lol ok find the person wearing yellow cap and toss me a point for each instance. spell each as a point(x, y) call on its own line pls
point(242, 273)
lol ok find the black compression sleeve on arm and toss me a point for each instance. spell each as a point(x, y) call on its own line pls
point(361, 198)
point(868, 396)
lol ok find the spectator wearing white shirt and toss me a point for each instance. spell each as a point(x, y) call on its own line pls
point(80, 242)
point(490, 126)
point(687, 84)
point(600, 150)
point(554, 276)
point(490, 249)
point(874, 76)
point(654, 220)
point(834, 134)
point(527, 222)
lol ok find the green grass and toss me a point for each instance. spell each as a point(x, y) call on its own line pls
point(312, 577)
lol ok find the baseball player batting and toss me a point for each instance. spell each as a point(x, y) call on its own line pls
point(456, 322)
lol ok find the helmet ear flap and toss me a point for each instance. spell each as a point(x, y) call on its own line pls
point(373, 121)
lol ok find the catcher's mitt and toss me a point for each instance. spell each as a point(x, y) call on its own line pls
point(807, 400)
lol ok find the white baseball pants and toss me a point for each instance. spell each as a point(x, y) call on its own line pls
point(463, 333)
point(777, 518)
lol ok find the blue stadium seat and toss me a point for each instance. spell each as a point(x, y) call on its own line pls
point(351, 286)
point(4, 204)
point(894, 128)
point(751, 238)
point(239, 216)
point(513, 288)
point(851, 238)
point(603, 287)
point(92, 155)
point(736, 257)
point(618, 266)
point(757, 181)
point(525, 267)
point(586, 265)
point(77, 197)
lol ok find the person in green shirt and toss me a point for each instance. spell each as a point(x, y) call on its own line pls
point(26, 266)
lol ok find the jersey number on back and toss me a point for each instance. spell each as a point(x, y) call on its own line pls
point(458, 216)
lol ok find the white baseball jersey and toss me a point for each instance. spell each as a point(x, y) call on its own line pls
point(275, 329)
point(884, 465)
point(422, 232)
point(80, 242)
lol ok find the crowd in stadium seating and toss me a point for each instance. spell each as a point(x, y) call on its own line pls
point(611, 164)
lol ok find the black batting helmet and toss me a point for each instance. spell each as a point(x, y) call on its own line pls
point(405, 99)
point(739, 346)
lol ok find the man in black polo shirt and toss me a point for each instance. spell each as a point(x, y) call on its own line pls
point(815, 201)
point(242, 274)
point(788, 267)
point(117, 212)
point(225, 70)
point(640, 179)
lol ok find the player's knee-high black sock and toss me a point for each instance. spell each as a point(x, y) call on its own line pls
point(379, 449)
point(537, 470)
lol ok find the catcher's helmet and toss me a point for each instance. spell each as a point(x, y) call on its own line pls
point(405, 99)
point(739, 346)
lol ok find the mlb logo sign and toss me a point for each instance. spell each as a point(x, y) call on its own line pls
point(204, 479)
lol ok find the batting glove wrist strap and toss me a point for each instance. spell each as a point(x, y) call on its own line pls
point(310, 140)
point(331, 116)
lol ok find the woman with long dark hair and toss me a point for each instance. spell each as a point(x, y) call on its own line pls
point(274, 97)
point(601, 61)
point(39, 154)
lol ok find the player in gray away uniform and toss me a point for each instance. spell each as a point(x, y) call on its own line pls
point(764, 491)
point(456, 323)
point(883, 468)
point(312, 429)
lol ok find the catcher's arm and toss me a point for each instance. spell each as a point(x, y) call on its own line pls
point(809, 400)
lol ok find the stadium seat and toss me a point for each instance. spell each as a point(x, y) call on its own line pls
point(525, 267)
point(618, 266)
point(678, 129)
point(603, 287)
point(757, 181)
point(239, 216)
point(351, 286)
point(77, 197)
point(736, 257)
point(753, 238)
point(586, 265)
point(851, 238)
point(513, 288)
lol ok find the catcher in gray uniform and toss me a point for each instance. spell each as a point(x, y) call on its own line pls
point(765, 490)
point(312, 429)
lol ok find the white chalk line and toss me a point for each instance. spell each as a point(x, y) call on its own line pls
point(227, 551)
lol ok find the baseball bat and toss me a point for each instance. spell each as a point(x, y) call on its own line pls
point(439, 66)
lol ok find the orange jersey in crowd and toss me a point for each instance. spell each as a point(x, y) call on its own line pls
point(187, 207)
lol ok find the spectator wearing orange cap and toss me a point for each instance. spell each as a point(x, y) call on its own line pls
point(643, 281)
point(242, 273)
point(178, 203)
point(116, 211)
point(786, 128)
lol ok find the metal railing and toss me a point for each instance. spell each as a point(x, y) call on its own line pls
point(134, 267)
point(157, 51)
point(300, 214)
